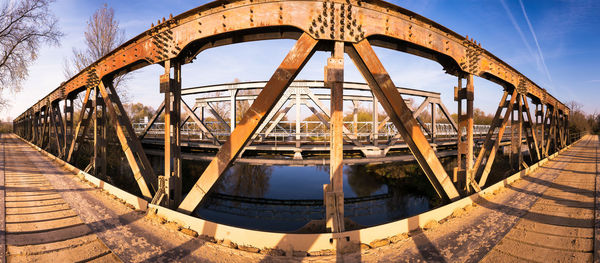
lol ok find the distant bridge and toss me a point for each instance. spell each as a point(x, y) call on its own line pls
point(339, 27)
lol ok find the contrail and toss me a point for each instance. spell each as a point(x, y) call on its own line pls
point(518, 28)
point(536, 42)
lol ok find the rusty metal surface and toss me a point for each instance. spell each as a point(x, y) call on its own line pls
point(381, 83)
point(357, 25)
point(226, 22)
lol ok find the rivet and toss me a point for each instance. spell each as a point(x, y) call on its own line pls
point(224, 16)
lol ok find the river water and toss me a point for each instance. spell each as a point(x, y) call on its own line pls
point(290, 198)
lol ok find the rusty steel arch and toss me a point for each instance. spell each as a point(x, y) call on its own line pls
point(351, 27)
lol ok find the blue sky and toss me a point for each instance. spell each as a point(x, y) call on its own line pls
point(554, 43)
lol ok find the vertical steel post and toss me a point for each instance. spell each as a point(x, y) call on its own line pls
point(99, 135)
point(463, 173)
point(68, 111)
point(202, 119)
point(433, 122)
point(374, 131)
point(334, 196)
point(516, 158)
point(297, 104)
point(176, 118)
point(355, 118)
point(165, 83)
point(233, 110)
point(172, 152)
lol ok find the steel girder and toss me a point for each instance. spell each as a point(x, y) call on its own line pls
point(358, 24)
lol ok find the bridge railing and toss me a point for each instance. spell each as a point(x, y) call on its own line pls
point(315, 129)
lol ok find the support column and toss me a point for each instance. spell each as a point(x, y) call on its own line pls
point(334, 194)
point(99, 136)
point(463, 173)
point(172, 152)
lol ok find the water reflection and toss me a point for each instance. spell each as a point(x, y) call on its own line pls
point(286, 198)
point(245, 180)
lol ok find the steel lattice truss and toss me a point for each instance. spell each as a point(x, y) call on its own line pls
point(350, 27)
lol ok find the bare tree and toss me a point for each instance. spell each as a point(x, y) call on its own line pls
point(101, 37)
point(24, 26)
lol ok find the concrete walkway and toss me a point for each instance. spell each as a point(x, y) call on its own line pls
point(40, 226)
point(560, 225)
point(547, 216)
point(52, 216)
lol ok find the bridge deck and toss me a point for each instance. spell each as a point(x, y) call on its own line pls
point(546, 216)
point(51, 215)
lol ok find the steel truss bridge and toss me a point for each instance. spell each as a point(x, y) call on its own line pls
point(339, 27)
point(372, 139)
